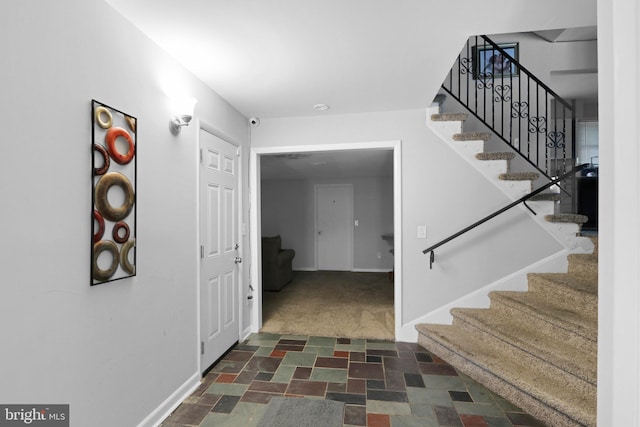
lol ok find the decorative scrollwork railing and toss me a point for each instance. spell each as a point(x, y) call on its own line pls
point(516, 105)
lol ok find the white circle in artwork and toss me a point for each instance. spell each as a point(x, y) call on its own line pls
point(98, 159)
point(122, 145)
point(116, 196)
point(105, 259)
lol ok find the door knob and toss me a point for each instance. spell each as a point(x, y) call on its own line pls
point(238, 260)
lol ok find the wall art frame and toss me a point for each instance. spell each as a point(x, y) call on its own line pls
point(489, 62)
point(114, 193)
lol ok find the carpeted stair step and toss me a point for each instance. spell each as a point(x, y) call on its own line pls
point(584, 265)
point(575, 218)
point(549, 314)
point(516, 335)
point(472, 136)
point(546, 197)
point(496, 156)
point(540, 393)
point(568, 289)
point(519, 176)
point(449, 117)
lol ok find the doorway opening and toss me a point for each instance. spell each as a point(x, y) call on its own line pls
point(365, 266)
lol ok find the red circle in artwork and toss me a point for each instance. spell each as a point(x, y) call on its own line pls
point(106, 162)
point(121, 225)
point(113, 134)
point(98, 235)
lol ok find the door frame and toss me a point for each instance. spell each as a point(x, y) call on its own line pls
point(200, 126)
point(256, 226)
point(315, 188)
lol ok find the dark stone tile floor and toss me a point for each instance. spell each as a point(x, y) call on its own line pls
point(383, 384)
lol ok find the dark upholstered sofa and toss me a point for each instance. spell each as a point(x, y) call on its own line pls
point(276, 264)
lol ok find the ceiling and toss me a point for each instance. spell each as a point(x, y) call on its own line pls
point(328, 164)
point(569, 34)
point(279, 58)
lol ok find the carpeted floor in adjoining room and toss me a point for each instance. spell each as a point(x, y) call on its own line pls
point(332, 303)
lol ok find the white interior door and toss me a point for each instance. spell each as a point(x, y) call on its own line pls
point(219, 271)
point(334, 227)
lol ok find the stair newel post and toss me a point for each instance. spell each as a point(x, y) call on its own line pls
point(475, 86)
point(468, 55)
point(574, 199)
point(529, 117)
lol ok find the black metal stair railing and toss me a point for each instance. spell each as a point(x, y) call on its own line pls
point(516, 105)
point(431, 249)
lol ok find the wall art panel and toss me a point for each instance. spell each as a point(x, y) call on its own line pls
point(113, 168)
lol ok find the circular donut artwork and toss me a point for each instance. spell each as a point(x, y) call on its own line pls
point(112, 135)
point(114, 213)
point(102, 246)
point(106, 162)
point(113, 176)
point(104, 117)
point(131, 122)
point(121, 225)
point(124, 257)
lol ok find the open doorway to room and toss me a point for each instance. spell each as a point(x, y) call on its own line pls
point(333, 215)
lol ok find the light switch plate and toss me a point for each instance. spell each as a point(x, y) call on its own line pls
point(422, 232)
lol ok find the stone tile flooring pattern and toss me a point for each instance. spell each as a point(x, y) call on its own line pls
point(382, 383)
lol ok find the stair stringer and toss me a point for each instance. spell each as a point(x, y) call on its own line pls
point(516, 281)
point(564, 233)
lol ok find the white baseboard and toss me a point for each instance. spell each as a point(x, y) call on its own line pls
point(155, 418)
point(245, 333)
point(305, 269)
point(517, 281)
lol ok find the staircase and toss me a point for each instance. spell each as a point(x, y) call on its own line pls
point(536, 349)
point(495, 166)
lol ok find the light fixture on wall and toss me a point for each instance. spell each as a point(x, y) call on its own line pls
point(184, 108)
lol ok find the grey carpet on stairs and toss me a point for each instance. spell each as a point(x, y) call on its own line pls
point(302, 412)
point(536, 348)
point(519, 176)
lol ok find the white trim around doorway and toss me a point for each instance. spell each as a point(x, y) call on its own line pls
point(255, 222)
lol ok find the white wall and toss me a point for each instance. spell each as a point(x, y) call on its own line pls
point(439, 190)
point(619, 210)
point(114, 352)
point(288, 209)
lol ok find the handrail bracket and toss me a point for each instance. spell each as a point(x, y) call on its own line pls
point(524, 202)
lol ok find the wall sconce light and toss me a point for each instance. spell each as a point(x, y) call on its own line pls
point(184, 108)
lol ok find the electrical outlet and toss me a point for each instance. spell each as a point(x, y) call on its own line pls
point(422, 232)
point(356, 223)
point(379, 255)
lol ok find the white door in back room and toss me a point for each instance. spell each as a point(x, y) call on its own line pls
point(219, 267)
point(334, 227)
